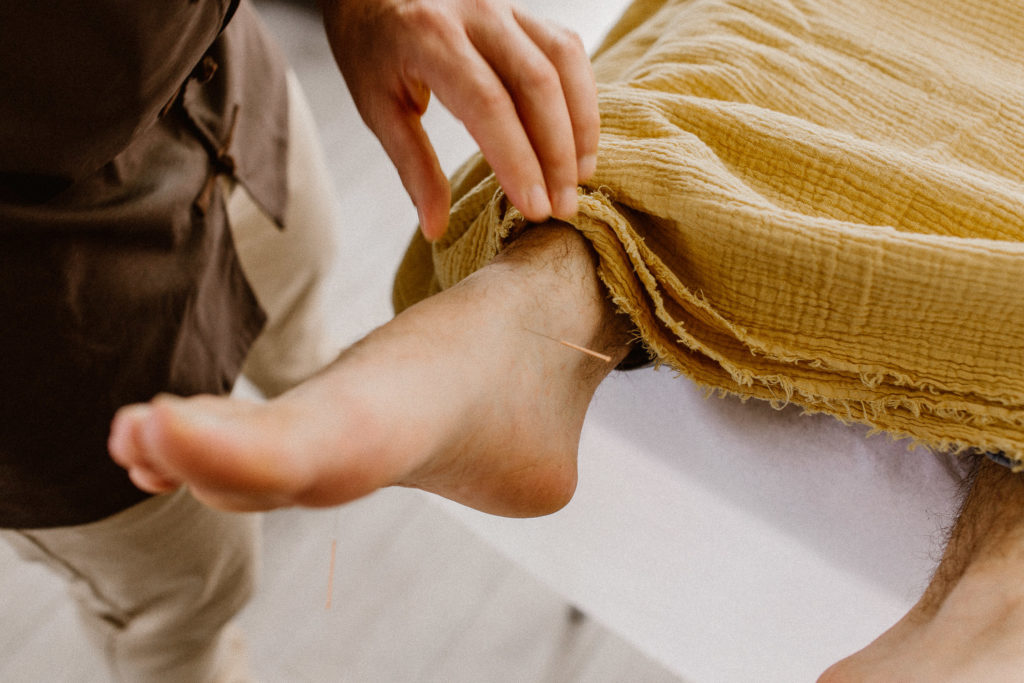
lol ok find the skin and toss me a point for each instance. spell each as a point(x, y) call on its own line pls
point(470, 403)
point(967, 625)
point(468, 400)
point(523, 89)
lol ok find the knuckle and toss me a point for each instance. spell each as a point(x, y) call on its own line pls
point(491, 101)
point(486, 10)
point(427, 18)
point(566, 44)
point(537, 75)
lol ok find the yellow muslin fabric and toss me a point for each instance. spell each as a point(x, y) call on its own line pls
point(808, 201)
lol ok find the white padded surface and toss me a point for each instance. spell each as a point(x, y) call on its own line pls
point(731, 541)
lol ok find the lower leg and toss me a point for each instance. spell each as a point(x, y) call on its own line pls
point(969, 623)
point(467, 394)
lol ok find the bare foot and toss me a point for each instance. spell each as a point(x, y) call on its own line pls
point(461, 395)
point(975, 635)
point(969, 625)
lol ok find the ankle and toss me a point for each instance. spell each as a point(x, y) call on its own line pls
point(566, 298)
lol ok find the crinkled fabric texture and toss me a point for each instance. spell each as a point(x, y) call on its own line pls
point(808, 201)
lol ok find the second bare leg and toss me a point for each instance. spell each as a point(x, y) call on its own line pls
point(969, 624)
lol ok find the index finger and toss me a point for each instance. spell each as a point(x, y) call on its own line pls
point(535, 86)
point(478, 98)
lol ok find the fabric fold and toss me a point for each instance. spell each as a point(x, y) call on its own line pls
point(817, 202)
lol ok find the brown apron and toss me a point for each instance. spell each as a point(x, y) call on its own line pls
point(118, 277)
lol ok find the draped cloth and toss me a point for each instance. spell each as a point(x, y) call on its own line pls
point(809, 201)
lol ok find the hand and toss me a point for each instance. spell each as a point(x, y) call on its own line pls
point(523, 89)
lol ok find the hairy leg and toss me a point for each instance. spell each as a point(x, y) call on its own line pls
point(467, 394)
point(969, 624)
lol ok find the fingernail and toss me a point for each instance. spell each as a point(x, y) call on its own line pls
point(587, 166)
point(566, 203)
point(539, 204)
point(118, 441)
point(123, 432)
point(150, 481)
point(432, 230)
point(423, 224)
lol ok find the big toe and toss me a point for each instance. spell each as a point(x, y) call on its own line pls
point(128, 448)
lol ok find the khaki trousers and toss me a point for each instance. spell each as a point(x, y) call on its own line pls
point(157, 585)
